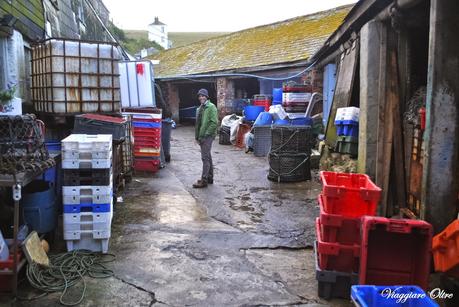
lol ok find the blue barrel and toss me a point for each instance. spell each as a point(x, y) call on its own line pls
point(277, 95)
point(302, 121)
point(38, 206)
point(53, 145)
point(263, 119)
point(252, 112)
point(282, 122)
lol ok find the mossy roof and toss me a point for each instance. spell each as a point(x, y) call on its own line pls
point(287, 41)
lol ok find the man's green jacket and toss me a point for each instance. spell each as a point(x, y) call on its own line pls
point(206, 121)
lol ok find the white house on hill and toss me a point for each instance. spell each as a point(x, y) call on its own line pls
point(157, 32)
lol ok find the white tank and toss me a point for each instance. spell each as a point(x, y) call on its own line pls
point(71, 76)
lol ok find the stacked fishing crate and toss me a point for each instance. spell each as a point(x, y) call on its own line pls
point(344, 200)
point(87, 191)
point(147, 141)
point(347, 130)
point(295, 97)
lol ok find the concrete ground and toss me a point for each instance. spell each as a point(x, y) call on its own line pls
point(244, 241)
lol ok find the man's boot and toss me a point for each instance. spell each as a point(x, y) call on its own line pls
point(200, 184)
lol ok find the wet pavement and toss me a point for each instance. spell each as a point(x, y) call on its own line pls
point(244, 241)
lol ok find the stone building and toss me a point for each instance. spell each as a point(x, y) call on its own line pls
point(242, 64)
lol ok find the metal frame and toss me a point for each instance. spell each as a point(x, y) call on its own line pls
point(42, 75)
point(17, 182)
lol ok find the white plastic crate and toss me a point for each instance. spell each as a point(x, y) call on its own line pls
point(87, 242)
point(82, 155)
point(296, 97)
point(75, 195)
point(87, 143)
point(89, 163)
point(144, 115)
point(349, 113)
point(87, 221)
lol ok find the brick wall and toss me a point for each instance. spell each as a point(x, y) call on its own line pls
point(225, 96)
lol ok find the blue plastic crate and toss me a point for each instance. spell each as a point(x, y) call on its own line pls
point(347, 128)
point(146, 125)
point(388, 296)
point(87, 208)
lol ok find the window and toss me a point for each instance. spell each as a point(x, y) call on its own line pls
point(162, 29)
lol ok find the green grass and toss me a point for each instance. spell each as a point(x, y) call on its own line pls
point(185, 38)
point(178, 38)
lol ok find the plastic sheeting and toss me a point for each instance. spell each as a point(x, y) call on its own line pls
point(233, 122)
point(13, 64)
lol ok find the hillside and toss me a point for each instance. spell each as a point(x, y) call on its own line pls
point(185, 38)
point(178, 38)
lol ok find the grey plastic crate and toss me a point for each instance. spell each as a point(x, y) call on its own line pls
point(262, 140)
point(333, 284)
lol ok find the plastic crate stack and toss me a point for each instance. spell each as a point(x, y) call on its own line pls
point(262, 100)
point(347, 130)
point(295, 97)
point(147, 141)
point(344, 200)
point(87, 191)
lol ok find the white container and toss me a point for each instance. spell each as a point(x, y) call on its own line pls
point(87, 242)
point(87, 143)
point(90, 163)
point(296, 97)
point(143, 115)
point(73, 76)
point(137, 84)
point(4, 251)
point(76, 195)
point(349, 113)
point(100, 221)
point(277, 111)
point(81, 155)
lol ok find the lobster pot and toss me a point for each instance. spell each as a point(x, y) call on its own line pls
point(73, 76)
point(224, 135)
point(22, 145)
point(128, 159)
point(291, 139)
point(261, 140)
point(289, 167)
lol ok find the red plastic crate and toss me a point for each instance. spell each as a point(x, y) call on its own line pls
point(445, 249)
point(351, 195)
point(243, 129)
point(336, 228)
point(151, 143)
point(148, 131)
point(6, 280)
point(395, 252)
point(263, 103)
point(147, 165)
point(335, 256)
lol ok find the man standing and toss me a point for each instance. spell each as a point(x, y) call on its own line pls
point(206, 130)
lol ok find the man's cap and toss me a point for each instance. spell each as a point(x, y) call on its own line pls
point(203, 92)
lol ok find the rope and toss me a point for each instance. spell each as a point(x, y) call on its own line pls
point(67, 270)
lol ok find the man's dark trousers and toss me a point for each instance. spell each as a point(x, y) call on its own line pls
point(206, 156)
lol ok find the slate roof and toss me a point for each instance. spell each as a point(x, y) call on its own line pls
point(292, 40)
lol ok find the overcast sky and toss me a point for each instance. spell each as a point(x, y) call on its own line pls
point(211, 15)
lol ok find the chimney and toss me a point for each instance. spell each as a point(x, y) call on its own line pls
point(156, 19)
